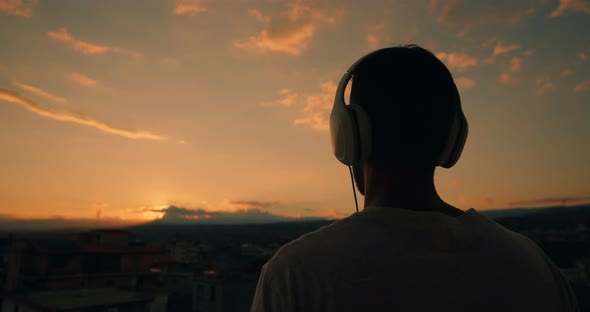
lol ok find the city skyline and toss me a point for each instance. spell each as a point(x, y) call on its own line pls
point(121, 110)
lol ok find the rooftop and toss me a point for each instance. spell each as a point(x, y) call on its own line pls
point(83, 298)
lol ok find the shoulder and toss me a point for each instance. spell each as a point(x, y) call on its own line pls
point(314, 252)
point(299, 273)
point(533, 265)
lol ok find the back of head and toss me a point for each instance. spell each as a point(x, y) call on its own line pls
point(410, 98)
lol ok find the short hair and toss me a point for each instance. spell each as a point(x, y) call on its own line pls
point(410, 98)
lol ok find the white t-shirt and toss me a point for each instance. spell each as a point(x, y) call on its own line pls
point(390, 259)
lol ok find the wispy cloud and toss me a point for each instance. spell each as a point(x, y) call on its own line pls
point(578, 6)
point(583, 86)
point(551, 200)
point(464, 83)
point(465, 13)
point(502, 48)
point(82, 80)
point(253, 204)
point(314, 107)
point(78, 118)
point(40, 92)
point(515, 64)
point(566, 72)
point(259, 16)
point(287, 97)
point(23, 8)
point(544, 86)
point(506, 78)
point(292, 33)
point(189, 7)
point(487, 201)
point(459, 60)
point(317, 107)
point(375, 35)
point(88, 48)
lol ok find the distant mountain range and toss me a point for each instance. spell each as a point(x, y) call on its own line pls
point(518, 212)
point(182, 216)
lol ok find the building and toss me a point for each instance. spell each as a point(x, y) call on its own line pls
point(82, 300)
point(95, 259)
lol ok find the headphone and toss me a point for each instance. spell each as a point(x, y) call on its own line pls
point(350, 129)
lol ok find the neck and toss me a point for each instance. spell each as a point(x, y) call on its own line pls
point(404, 187)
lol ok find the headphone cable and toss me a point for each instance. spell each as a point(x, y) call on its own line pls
point(356, 204)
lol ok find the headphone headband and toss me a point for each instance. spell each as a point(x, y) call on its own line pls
point(350, 128)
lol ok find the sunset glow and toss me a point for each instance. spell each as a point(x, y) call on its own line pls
point(122, 109)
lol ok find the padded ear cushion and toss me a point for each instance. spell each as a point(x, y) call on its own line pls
point(343, 135)
point(455, 142)
point(460, 142)
point(364, 138)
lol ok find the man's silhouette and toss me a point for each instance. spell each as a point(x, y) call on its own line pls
point(407, 250)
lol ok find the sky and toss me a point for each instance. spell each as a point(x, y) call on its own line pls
point(121, 110)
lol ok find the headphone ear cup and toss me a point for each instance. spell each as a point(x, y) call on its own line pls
point(343, 136)
point(364, 138)
point(455, 143)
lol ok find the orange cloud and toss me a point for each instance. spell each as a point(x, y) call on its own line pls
point(502, 48)
point(464, 83)
point(551, 200)
point(259, 16)
point(287, 97)
point(40, 92)
point(82, 80)
point(375, 35)
point(317, 107)
point(461, 199)
point(290, 35)
point(583, 56)
point(467, 13)
point(506, 78)
point(566, 72)
point(583, 86)
point(78, 118)
point(487, 201)
point(458, 60)
point(63, 35)
point(188, 7)
point(579, 6)
point(330, 214)
point(23, 8)
point(515, 64)
point(544, 86)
